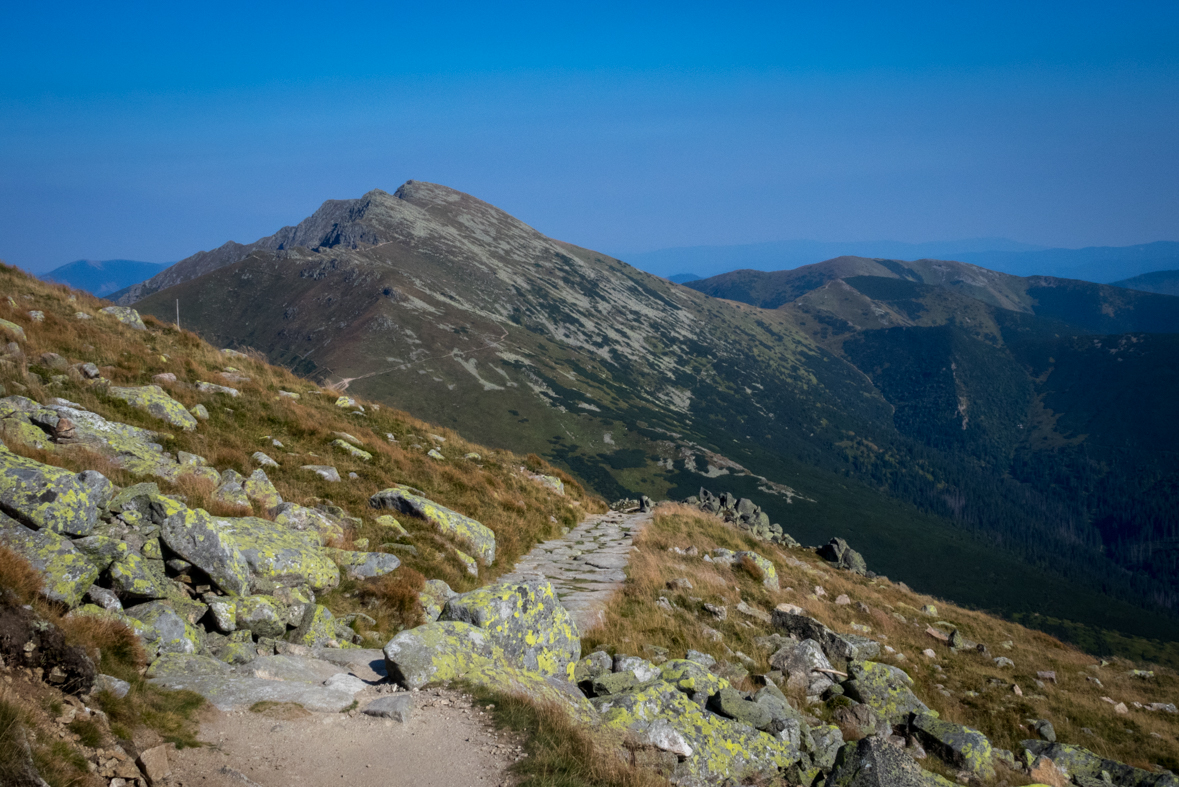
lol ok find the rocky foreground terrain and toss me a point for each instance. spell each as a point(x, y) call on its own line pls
point(360, 565)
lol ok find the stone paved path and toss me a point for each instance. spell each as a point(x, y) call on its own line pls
point(586, 565)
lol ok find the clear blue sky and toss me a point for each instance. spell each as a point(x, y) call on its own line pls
point(157, 129)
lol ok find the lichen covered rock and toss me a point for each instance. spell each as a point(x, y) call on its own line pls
point(525, 620)
point(202, 540)
point(721, 748)
point(873, 762)
point(406, 500)
point(444, 650)
point(433, 598)
point(296, 517)
point(261, 615)
point(164, 630)
point(153, 400)
point(132, 578)
point(282, 556)
point(844, 647)
point(960, 746)
point(125, 315)
point(884, 688)
point(261, 491)
point(351, 450)
point(66, 572)
point(769, 574)
point(1081, 764)
point(364, 565)
point(50, 498)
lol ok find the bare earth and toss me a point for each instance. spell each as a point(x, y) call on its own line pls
point(447, 743)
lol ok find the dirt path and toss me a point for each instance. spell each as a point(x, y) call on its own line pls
point(586, 566)
point(448, 742)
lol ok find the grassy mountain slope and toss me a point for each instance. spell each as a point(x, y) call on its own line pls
point(1022, 379)
point(437, 303)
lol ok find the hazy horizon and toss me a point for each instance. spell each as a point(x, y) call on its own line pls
point(151, 133)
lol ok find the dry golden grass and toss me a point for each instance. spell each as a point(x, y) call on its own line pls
point(17, 576)
point(1071, 704)
point(562, 753)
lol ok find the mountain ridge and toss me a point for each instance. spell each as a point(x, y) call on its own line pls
point(103, 277)
point(469, 318)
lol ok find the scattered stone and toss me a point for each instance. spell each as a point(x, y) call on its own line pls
point(213, 388)
point(962, 747)
point(125, 315)
point(263, 459)
point(326, 472)
point(399, 707)
point(1004, 662)
point(838, 552)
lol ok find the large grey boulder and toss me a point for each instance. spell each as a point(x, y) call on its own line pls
point(50, 498)
point(960, 746)
point(873, 762)
point(153, 400)
point(1084, 764)
point(884, 688)
point(525, 619)
point(164, 630)
point(67, 574)
point(838, 552)
point(280, 555)
point(844, 647)
point(309, 520)
point(202, 540)
point(805, 666)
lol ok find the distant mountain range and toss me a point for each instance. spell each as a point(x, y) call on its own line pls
point(1102, 264)
point(103, 277)
point(1162, 282)
point(1006, 440)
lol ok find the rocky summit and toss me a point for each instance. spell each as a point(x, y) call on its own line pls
point(197, 547)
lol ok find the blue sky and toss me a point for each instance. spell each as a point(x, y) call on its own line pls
point(151, 131)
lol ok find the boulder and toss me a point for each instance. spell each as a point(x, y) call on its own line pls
point(13, 330)
point(873, 762)
point(50, 498)
point(444, 650)
point(282, 556)
point(803, 665)
point(363, 565)
point(613, 683)
point(326, 472)
point(351, 450)
point(844, 647)
point(202, 540)
point(66, 572)
point(153, 400)
point(955, 744)
point(884, 688)
point(261, 492)
point(720, 748)
point(838, 552)
point(165, 631)
point(238, 688)
point(230, 491)
point(125, 315)
point(525, 620)
point(731, 704)
point(296, 517)
point(406, 500)
point(262, 616)
point(317, 628)
point(433, 598)
point(133, 579)
point(1083, 764)
point(769, 574)
point(213, 388)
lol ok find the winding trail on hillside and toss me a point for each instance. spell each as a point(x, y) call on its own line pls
point(586, 565)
